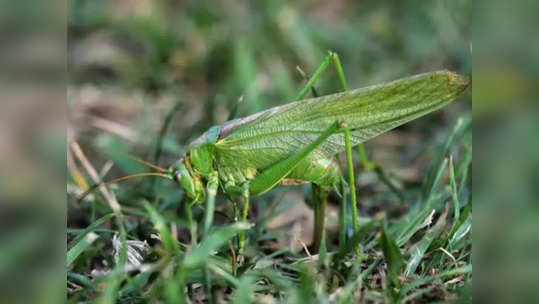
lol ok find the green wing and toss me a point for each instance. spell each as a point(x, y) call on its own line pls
point(264, 138)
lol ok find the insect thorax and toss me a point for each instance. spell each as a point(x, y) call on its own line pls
point(205, 157)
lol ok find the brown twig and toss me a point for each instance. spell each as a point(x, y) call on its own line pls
point(233, 253)
point(111, 199)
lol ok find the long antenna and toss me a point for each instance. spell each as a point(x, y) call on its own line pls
point(121, 179)
point(141, 161)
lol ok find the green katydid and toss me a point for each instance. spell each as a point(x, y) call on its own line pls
point(296, 143)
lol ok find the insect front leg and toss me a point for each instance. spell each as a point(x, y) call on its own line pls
point(351, 179)
point(320, 201)
point(342, 215)
point(245, 211)
point(211, 193)
point(232, 190)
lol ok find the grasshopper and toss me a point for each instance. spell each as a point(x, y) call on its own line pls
point(296, 143)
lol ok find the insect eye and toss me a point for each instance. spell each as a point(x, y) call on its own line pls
point(176, 176)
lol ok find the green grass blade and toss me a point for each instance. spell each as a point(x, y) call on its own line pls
point(79, 248)
point(392, 255)
point(419, 249)
point(354, 284)
point(244, 292)
point(79, 279)
point(463, 167)
point(90, 228)
point(136, 283)
point(457, 226)
point(434, 182)
point(464, 223)
point(113, 282)
point(454, 192)
point(213, 241)
point(417, 220)
point(351, 245)
point(414, 284)
point(307, 282)
point(170, 243)
point(462, 126)
point(323, 259)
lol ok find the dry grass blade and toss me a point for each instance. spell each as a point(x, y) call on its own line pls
point(111, 199)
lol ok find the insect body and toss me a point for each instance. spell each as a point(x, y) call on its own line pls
point(296, 143)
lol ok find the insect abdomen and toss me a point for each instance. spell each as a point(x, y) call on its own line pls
point(323, 172)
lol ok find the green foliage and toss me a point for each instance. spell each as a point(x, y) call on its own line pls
point(79, 246)
point(212, 242)
point(392, 255)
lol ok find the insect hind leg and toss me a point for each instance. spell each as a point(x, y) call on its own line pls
point(330, 58)
point(351, 180)
point(320, 201)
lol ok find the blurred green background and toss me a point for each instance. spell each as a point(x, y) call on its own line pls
point(506, 159)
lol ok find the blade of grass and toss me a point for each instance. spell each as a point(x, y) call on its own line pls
point(454, 194)
point(170, 243)
point(364, 231)
point(419, 249)
point(463, 168)
point(89, 229)
point(385, 179)
point(413, 284)
point(213, 241)
point(354, 283)
point(220, 272)
point(244, 292)
point(460, 232)
point(462, 126)
point(419, 220)
point(435, 182)
point(109, 295)
point(392, 255)
point(79, 248)
point(323, 259)
point(456, 226)
point(79, 279)
point(136, 283)
point(306, 285)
